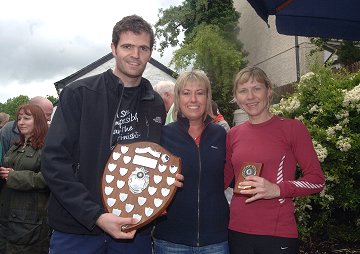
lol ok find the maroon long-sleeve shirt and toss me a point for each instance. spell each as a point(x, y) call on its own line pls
point(280, 144)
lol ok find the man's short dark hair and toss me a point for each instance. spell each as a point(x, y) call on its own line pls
point(135, 24)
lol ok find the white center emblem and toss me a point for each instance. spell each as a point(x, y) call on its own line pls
point(138, 180)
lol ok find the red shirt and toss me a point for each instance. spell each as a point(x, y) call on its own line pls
point(279, 144)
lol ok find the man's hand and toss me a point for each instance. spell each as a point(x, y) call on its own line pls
point(179, 180)
point(262, 188)
point(112, 224)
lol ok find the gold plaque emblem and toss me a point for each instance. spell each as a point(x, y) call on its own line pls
point(247, 169)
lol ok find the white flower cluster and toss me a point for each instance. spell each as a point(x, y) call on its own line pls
point(340, 128)
point(306, 76)
point(315, 109)
point(331, 131)
point(324, 194)
point(352, 98)
point(289, 105)
point(321, 151)
point(276, 110)
point(345, 121)
point(343, 144)
point(342, 114)
point(301, 118)
point(331, 180)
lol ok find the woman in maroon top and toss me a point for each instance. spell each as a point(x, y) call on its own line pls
point(262, 218)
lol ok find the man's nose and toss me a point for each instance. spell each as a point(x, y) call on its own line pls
point(135, 52)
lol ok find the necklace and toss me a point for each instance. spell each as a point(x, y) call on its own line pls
point(198, 137)
point(195, 132)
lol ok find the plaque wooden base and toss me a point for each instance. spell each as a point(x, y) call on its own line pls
point(247, 169)
point(138, 181)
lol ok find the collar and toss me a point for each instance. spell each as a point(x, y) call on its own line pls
point(218, 118)
point(185, 122)
point(146, 89)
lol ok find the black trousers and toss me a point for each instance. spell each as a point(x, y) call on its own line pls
point(240, 243)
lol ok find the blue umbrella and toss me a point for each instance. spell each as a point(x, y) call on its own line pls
point(336, 19)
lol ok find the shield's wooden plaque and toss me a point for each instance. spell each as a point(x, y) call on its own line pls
point(138, 181)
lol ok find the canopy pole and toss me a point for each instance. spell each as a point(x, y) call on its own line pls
point(297, 59)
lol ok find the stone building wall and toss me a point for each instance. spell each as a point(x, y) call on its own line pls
point(271, 51)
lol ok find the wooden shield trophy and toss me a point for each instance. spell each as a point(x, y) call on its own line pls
point(247, 169)
point(138, 181)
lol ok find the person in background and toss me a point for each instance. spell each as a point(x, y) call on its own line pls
point(4, 118)
point(92, 116)
point(10, 134)
point(166, 90)
point(217, 117)
point(197, 218)
point(262, 218)
point(24, 193)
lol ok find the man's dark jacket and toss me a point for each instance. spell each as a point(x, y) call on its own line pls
point(79, 143)
point(9, 134)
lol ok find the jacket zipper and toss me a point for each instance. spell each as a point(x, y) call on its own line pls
point(147, 126)
point(199, 182)
point(198, 198)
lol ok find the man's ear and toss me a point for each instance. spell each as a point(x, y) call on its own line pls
point(113, 49)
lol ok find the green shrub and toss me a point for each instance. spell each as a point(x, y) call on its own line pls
point(328, 103)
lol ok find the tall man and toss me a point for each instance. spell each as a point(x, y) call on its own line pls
point(93, 115)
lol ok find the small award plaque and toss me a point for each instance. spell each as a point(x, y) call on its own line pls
point(138, 181)
point(247, 169)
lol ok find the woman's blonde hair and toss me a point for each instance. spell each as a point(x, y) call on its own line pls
point(182, 81)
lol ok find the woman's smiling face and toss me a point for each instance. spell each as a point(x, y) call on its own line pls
point(254, 98)
point(193, 100)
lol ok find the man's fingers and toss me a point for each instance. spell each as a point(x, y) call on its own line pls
point(179, 179)
point(125, 235)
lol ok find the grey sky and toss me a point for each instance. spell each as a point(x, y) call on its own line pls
point(43, 41)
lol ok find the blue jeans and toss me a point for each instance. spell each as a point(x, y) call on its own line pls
point(61, 243)
point(165, 247)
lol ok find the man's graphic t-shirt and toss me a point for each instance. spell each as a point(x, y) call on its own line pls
point(126, 124)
